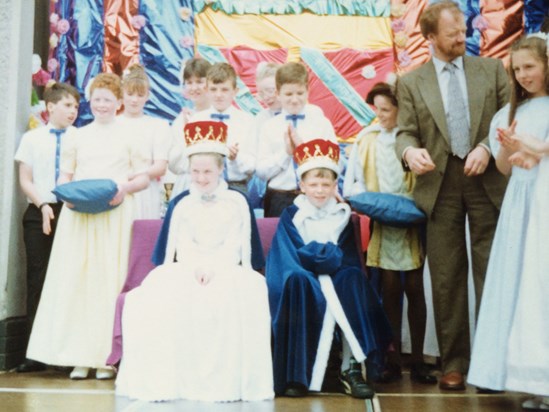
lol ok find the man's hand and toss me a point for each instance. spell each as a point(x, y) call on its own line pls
point(476, 162)
point(419, 161)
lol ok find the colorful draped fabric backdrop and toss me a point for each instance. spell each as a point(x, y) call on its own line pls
point(347, 45)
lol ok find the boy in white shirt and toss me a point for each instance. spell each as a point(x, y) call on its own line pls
point(265, 80)
point(194, 87)
point(241, 139)
point(297, 123)
point(39, 155)
point(266, 91)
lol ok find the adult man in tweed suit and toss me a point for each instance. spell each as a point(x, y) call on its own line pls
point(445, 109)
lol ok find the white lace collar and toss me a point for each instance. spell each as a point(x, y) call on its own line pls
point(218, 192)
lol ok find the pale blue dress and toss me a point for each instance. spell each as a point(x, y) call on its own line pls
point(488, 367)
point(528, 354)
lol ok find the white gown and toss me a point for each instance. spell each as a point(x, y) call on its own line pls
point(503, 276)
point(528, 354)
point(183, 340)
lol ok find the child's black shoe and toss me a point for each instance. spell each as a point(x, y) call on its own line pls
point(354, 384)
point(296, 390)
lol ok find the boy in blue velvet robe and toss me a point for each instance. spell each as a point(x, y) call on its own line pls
point(317, 285)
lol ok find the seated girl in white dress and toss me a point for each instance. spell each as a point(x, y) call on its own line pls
point(198, 328)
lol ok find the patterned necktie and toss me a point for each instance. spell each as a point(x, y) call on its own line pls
point(294, 118)
point(58, 133)
point(220, 117)
point(458, 126)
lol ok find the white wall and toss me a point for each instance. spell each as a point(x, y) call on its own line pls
point(16, 37)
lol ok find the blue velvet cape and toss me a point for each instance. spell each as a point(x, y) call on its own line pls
point(298, 304)
point(159, 253)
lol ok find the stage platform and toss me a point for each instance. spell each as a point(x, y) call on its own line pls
point(53, 391)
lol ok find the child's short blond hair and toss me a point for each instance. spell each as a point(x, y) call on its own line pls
point(220, 73)
point(265, 70)
point(219, 159)
point(320, 172)
point(292, 73)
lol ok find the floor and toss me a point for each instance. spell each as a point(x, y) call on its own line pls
point(53, 391)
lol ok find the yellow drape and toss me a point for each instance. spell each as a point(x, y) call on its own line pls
point(271, 31)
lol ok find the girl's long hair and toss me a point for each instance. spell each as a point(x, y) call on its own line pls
point(538, 47)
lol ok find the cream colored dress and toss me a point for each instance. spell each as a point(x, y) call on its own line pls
point(153, 134)
point(89, 259)
point(184, 340)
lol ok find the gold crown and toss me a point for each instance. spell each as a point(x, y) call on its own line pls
point(317, 148)
point(318, 153)
point(205, 131)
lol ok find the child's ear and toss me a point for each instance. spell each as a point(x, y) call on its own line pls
point(50, 106)
point(301, 185)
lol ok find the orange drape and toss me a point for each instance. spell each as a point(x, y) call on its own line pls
point(121, 38)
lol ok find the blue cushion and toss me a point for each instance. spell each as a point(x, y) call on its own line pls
point(89, 195)
point(388, 209)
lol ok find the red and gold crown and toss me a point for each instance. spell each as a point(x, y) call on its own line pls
point(318, 153)
point(205, 137)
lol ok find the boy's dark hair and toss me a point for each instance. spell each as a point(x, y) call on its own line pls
point(56, 91)
point(196, 67)
point(292, 73)
point(221, 72)
point(382, 89)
